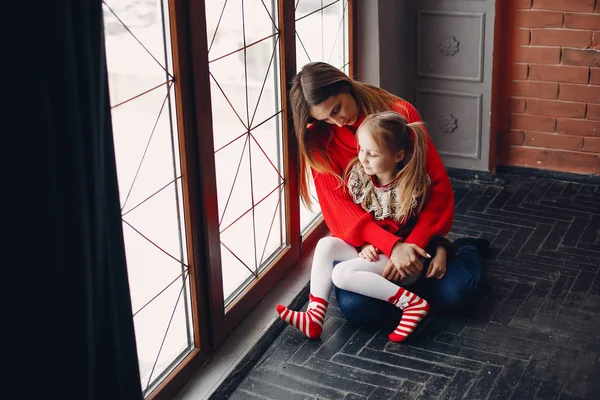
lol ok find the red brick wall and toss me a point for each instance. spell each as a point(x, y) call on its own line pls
point(555, 88)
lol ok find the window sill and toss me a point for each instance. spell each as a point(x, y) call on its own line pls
point(240, 352)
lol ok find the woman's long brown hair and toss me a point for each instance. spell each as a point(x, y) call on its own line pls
point(392, 133)
point(314, 84)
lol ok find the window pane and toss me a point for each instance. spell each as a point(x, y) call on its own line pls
point(309, 217)
point(243, 42)
point(149, 175)
point(321, 35)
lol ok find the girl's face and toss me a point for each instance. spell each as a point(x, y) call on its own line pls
point(375, 160)
point(339, 110)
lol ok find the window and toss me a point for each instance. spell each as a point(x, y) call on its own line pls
point(244, 67)
point(321, 35)
point(149, 173)
point(206, 161)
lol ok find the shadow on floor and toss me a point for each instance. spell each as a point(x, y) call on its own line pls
point(536, 334)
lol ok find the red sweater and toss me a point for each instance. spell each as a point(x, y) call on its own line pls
point(348, 221)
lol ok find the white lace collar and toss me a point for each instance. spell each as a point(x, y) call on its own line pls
point(381, 201)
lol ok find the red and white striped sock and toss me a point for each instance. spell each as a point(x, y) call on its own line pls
point(310, 323)
point(414, 309)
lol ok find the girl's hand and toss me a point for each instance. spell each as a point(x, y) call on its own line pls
point(405, 258)
point(390, 272)
point(437, 266)
point(369, 252)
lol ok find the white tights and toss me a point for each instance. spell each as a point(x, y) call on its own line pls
point(353, 273)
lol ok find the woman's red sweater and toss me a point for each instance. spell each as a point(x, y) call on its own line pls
point(348, 221)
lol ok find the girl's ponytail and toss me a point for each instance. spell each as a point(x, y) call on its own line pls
point(414, 181)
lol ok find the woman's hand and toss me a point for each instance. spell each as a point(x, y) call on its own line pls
point(437, 266)
point(369, 252)
point(405, 260)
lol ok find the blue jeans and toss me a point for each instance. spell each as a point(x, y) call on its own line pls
point(456, 293)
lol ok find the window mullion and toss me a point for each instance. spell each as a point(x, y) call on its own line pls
point(287, 32)
point(198, 166)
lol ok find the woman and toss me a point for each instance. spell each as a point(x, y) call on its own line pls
point(327, 108)
point(389, 180)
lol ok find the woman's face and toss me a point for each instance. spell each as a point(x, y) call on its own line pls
point(338, 110)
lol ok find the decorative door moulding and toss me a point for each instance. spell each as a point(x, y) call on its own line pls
point(458, 125)
point(454, 52)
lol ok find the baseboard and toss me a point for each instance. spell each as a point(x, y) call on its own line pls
point(470, 175)
point(544, 173)
point(502, 172)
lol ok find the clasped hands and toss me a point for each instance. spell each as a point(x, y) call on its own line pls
point(405, 261)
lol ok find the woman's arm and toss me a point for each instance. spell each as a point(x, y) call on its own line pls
point(437, 215)
point(346, 219)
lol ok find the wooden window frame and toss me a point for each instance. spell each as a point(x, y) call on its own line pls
point(212, 321)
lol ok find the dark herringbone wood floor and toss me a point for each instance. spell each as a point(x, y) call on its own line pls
point(536, 334)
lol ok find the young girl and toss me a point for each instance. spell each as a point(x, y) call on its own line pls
point(389, 180)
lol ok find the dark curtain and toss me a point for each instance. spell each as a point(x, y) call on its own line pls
point(71, 334)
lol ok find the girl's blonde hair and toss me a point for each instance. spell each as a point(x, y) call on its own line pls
point(314, 84)
point(392, 133)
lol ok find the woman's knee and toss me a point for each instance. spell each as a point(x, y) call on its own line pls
point(455, 297)
point(460, 293)
point(357, 308)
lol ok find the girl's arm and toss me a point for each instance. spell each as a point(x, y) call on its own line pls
point(440, 242)
point(437, 266)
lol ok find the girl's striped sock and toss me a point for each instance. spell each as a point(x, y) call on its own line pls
point(414, 309)
point(310, 323)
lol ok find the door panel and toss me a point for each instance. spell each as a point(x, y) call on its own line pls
point(454, 122)
point(454, 45)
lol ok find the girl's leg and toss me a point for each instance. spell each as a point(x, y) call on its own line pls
point(364, 277)
point(327, 251)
